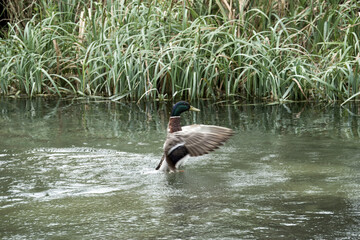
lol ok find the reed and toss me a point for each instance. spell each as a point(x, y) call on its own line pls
point(271, 50)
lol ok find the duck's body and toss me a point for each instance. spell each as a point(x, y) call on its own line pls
point(193, 140)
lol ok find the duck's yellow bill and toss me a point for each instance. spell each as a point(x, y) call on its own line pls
point(194, 109)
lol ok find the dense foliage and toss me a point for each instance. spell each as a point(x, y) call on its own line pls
point(272, 50)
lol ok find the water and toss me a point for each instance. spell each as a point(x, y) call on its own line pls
point(85, 170)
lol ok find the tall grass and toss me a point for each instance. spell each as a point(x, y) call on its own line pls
point(271, 50)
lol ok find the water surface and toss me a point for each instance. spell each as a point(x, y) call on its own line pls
point(85, 170)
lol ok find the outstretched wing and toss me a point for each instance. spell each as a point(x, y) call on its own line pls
point(198, 139)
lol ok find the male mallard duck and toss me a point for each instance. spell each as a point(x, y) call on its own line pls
point(193, 140)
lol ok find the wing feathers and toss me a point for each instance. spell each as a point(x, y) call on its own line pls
point(198, 139)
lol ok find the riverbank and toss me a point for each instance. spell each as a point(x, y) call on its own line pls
point(163, 50)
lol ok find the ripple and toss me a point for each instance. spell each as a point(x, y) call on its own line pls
point(51, 173)
point(259, 175)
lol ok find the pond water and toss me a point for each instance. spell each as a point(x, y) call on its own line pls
point(84, 169)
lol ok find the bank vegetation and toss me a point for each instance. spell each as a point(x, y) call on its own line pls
point(160, 49)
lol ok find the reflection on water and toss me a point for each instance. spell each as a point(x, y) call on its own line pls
point(85, 169)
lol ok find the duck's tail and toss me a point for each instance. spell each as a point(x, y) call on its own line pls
point(161, 161)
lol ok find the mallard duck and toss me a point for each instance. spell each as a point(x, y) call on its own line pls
point(193, 140)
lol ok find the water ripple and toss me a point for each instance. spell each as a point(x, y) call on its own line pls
point(51, 173)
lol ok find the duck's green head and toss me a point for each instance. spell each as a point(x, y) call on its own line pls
point(181, 107)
